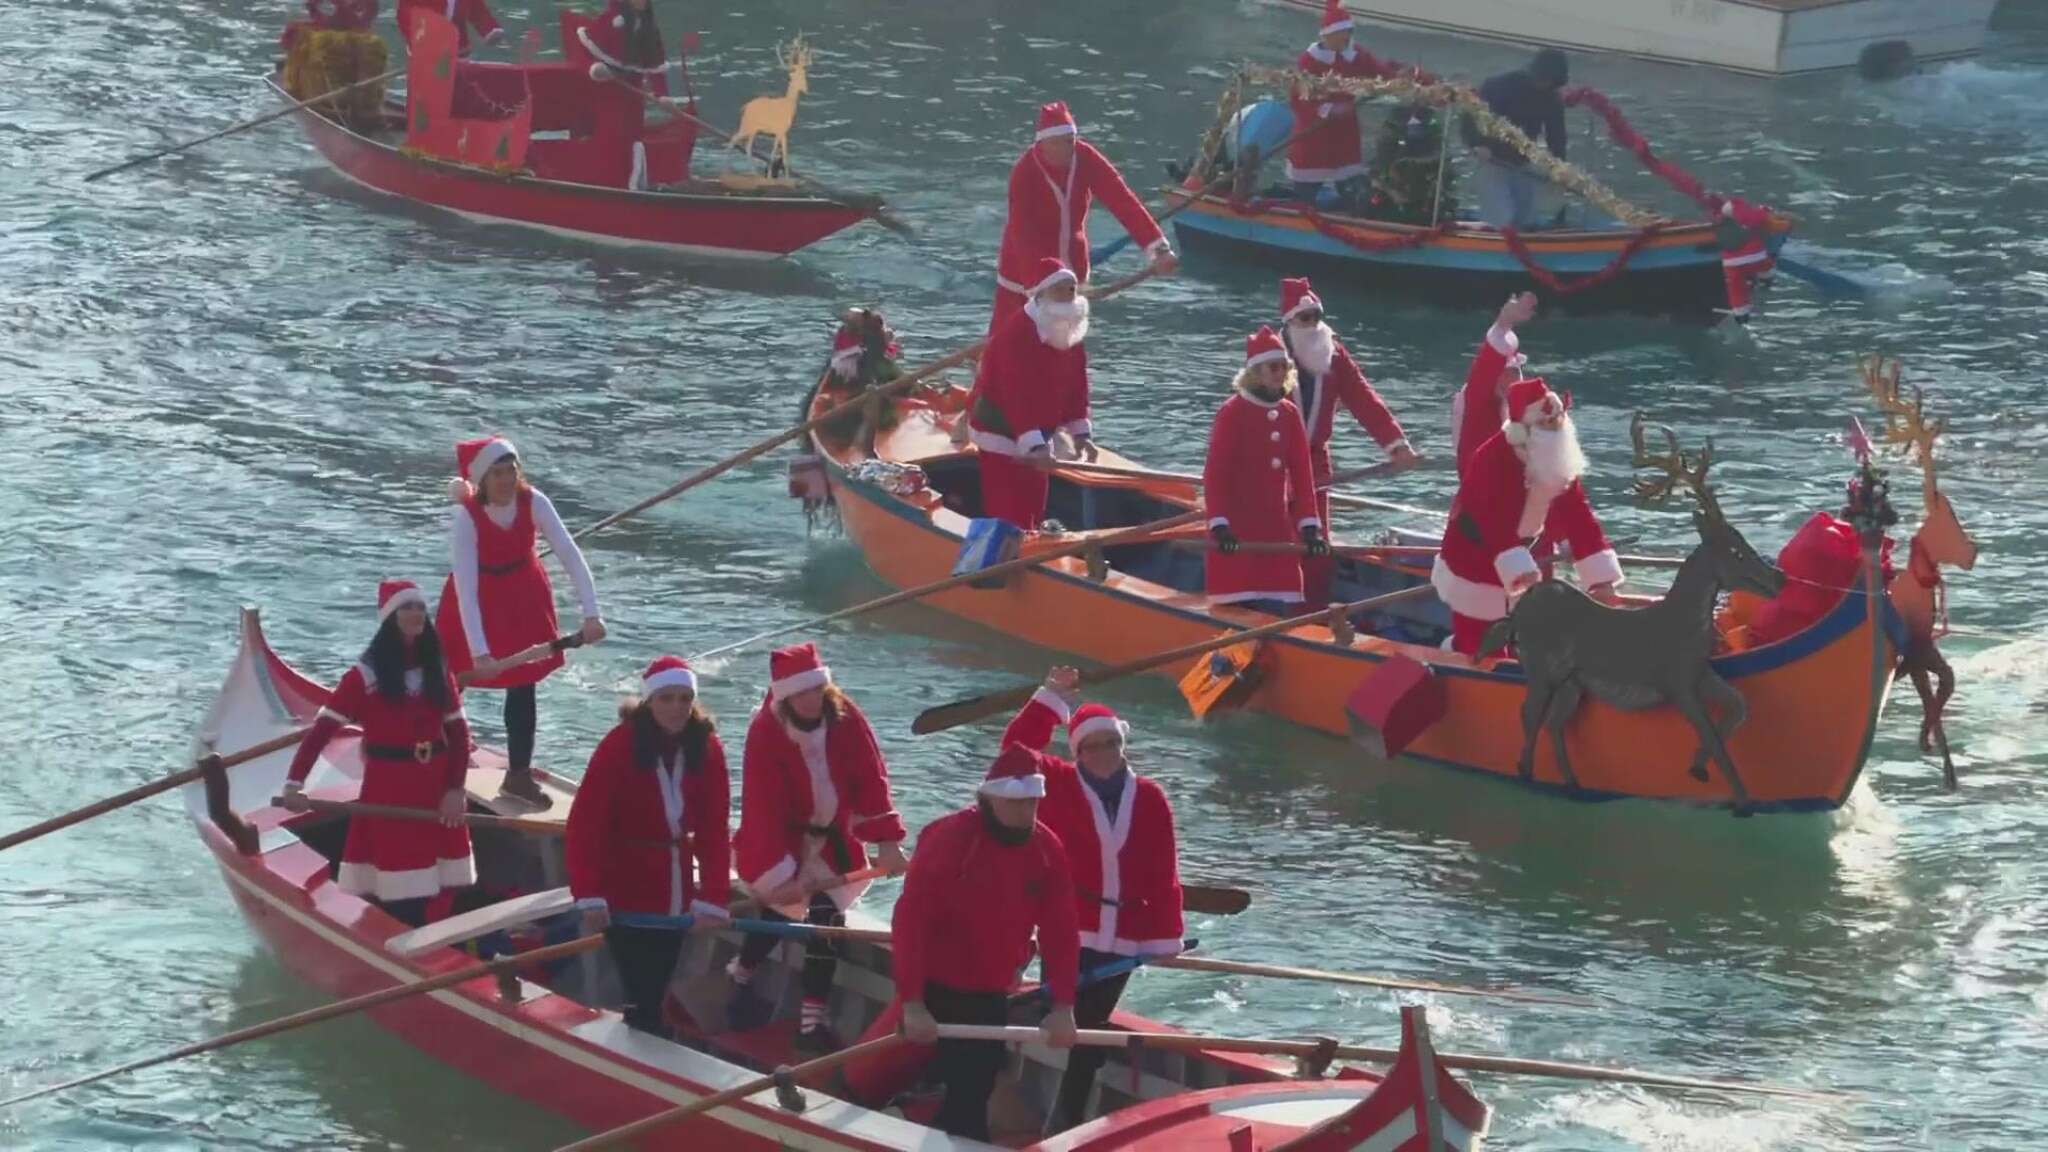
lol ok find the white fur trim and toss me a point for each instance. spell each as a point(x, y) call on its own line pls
point(366, 879)
point(706, 910)
point(1599, 568)
point(1055, 130)
point(636, 180)
point(1340, 24)
point(1063, 275)
point(847, 355)
point(803, 681)
point(1091, 726)
point(1514, 564)
point(1219, 521)
point(1054, 701)
point(1081, 429)
point(670, 678)
point(1745, 259)
point(1009, 285)
point(1309, 522)
point(1030, 787)
point(592, 904)
point(1266, 357)
point(994, 442)
point(489, 454)
point(1030, 442)
point(603, 60)
point(783, 872)
point(1159, 246)
point(1308, 300)
point(1467, 597)
point(409, 596)
point(1502, 339)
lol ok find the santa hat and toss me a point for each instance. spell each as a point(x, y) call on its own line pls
point(473, 458)
point(1050, 270)
point(1335, 19)
point(1529, 401)
point(395, 594)
point(1055, 120)
point(1262, 347)
point(1016, 775)
point(795, 669)
point(1089, 719)
point(845, 348)
point(1297, 297)
point(668, 672)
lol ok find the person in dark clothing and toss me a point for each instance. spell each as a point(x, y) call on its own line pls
point(1529, 99)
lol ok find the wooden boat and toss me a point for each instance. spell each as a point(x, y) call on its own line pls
point(555, 1041)
point(1814, 698)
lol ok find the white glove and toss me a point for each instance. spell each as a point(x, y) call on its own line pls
point(494, 35)
point(1324, 110)
point(600, 73)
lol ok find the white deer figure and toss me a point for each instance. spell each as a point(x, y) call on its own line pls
point(774, 114)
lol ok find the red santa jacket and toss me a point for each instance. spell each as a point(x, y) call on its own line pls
point(634, 829)
point(464, 14)
point(1479, 409)
point(1027, 390)
point(1318, 397)
point(392, 730)
point(792, 781)
point(1326, 145)
point(1498, 526)
point(970, 903)
point(1049, 214)
point(1126, 864)
point(605, 39)
point(1258, 480)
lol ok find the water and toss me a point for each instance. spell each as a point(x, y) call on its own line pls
point(230, 379)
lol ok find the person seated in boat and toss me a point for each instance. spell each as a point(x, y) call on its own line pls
point(1510, 192)
point(1326, 375)
point(498, 600)
point(626, 43)
point(1033, 384)
point(864, 355)
point(981, 882)
point(464, 14)
point(1327, 152)
point(814, 793)
point(1052, 186)
point(1480, 408)
point(1117, 828)
point(1518, 497)
point(415, 751)
point(654, 799)
point(1259, 486)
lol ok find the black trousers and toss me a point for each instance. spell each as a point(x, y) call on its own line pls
point(820, 961)
point(1092, 1007)
point(968, 1068)
point(522, 719)
point(412, 911)
point(647, 962)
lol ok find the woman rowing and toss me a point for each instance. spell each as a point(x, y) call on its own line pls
point(654, 800)
point(498, 599)
point(415, 750)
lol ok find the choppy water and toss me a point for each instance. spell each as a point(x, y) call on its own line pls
point(231, 379)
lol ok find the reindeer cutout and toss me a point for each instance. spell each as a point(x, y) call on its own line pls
point(1918, 594)
point(1571, 646)
point(774, 114)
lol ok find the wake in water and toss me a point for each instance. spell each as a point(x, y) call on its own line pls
point(1970, 97)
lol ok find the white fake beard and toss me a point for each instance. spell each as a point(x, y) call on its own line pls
point(1552, 457)
point(1060, 325)
point(846, 368)
point(1313, 347)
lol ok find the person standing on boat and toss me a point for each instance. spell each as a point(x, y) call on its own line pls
point(655, 798)
point(1529, 99)
point(498, 600)
point(1117, 828)
point(1480, 408)
point(626, 43)
point(1052, 186)
point(1325, 375)
point(415, 750)
point(982, 881)
point(814, 792)
point(1033, 384)
point(1259, 487)
point(1518, 497)
point(464, 14)
point(1327, 151)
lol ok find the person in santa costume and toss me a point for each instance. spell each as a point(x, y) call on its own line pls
point(1325, 376)
point(626, 43)
point(1518, 498)
point(1051, 189)
point(1480, 408)
point(1033, 383)
point(498, 600)
point(1747, 265)
point(814, 793)
point(982, 881)
point(415, 750)
point(464, 14)
point(1259, 486)
point(1117, 829)
point(1326, 148)
point(654, 800)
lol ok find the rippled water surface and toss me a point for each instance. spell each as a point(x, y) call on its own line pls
point(231, 379)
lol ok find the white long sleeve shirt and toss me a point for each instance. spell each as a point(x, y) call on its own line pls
point(462, 559)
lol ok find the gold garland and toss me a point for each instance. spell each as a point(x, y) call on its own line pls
point(1467, 101)
point(1226, 107)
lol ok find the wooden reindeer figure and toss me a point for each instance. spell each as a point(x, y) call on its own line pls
point(774, 114)
point(1918, 593)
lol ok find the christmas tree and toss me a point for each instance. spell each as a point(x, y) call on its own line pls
point(1407, 166)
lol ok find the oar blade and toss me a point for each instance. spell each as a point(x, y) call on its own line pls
point(1214, 900)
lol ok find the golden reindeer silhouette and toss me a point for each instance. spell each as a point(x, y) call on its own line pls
point(774, 114)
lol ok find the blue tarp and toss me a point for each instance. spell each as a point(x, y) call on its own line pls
point(1265, 124)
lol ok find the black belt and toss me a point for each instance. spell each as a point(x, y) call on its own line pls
point(424, 751)
point(502, 569)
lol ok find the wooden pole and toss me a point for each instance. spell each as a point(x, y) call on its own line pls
point(426, 815)
point(244, 126)
point(1287, 972)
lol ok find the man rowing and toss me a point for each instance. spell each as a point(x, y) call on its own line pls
point(1033, 385)
point(1258, 486)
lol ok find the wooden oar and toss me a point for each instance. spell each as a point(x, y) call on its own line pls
point(1337, 499)
point(1192, 1042)
point(328, 1012)
point(427, 816)
point(526, 655)
point(1074, 548)
point(244, 126)
point(973, 708)
point(783, 1077)
point(1214, 899)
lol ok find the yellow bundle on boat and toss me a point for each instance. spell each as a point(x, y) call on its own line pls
point(324, 59)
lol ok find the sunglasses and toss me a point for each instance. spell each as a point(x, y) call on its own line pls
point(1308, 318)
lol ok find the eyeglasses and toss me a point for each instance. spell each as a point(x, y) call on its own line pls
point(1306, 319)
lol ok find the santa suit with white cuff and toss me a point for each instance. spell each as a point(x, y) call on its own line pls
point(1480, 409)
point(1326, 146)
point(1033, 384)
point(1258, 487)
